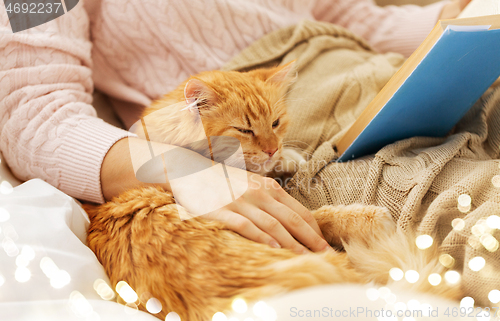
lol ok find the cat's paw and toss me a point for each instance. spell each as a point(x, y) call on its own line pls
point(291, 160)
point(346, 223)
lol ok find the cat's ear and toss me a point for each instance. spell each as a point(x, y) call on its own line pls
point(284, 75)
point(197, 90)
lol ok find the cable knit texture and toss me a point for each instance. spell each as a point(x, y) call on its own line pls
point(135, 51)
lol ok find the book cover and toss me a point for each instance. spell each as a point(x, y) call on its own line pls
point(453, 75)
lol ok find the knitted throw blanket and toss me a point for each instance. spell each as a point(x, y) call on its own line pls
point(427, 183)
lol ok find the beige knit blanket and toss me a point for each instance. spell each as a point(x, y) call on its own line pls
point(428, 184)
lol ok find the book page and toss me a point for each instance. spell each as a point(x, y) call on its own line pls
point(478, 8)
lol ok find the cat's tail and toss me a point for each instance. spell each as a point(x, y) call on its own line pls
point(395, 259)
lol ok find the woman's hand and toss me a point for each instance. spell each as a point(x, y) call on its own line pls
point(453, 9)
point(265, 213)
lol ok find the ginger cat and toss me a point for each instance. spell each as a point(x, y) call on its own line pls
point(197, 267)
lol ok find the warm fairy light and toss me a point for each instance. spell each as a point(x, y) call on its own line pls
point(434, 279)
point(423, 241)
point(264, 311)
point(48, 267)
point(219, 316)
point(384, 292)
point(28, 252)
point(396, 274)
point(79, 305)
point(493, 221)
point(21, 261)
point(4, 215)
point(391, 298)
point(452, 277)
point(478, 229)
point(477, 263)
point(467, 302)
point(22, 274)
point(153, 306)
point(446, 260)
point(9, 246)
point(239, 305)
point(372, 294)
point(126, 292)
point(458, 224)
point(495, 180)
point(104, 290)
point(494, 296)
point(131, 308)
point(172, 316)
point(489, 242)
point(412, 276)
point(6, 188)
point(464, 200)
point(60, 279)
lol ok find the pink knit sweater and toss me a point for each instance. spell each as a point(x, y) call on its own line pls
point(135, 51)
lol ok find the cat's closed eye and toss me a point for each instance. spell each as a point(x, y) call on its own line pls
point(276, 123)
point(244, 131)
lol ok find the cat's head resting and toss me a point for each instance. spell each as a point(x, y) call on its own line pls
point(249, 106)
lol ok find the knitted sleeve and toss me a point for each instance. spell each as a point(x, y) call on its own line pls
point(391, 28)
point(48, 127)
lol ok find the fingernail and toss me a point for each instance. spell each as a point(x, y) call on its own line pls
point(274, 244)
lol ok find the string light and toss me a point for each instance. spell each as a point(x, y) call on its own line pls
point(495, 180)
point(493, 221)
point(372, 294)
point(446, 260)
point(172, 316)
point(434, 279)
point(477, 263)
point(4, 215)
point(424, 241)
point(464, 203)
point(219, 316)
point(467, 302)
point(126, 292)
point(239, 305)
point(104, 290)
point(412, 276)
point(131, 308)
point(79, 305)
point(452, 277)
point(153, 306)
point(489, 242)
point(396, 274)
point(458, 224)
point(494, 296)
point(6, 188)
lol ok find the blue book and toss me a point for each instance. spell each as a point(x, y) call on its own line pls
point(434, 88)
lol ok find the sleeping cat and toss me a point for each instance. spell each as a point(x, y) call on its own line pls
point(197, 267)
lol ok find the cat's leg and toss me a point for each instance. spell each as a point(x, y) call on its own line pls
point(349, 222)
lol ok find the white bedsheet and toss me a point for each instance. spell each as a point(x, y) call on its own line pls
point(51, 223)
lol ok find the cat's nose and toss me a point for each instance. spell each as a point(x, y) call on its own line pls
point(270, 152)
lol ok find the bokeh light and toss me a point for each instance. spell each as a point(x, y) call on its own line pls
point(153, 306)
point(467, 302)
point(239, 305)
point(79, 305)
point(60, 279)
point(458, 224)
point(489, 242)
point(434, 279)
point(495, 180)
point(6, 188)
point(126, 292)
point(452, 277)
point(22, 274)
point(494, 296)
point(219, 316)
point(104, 290)
point(493, 221)
point(412, 276)
point(477, 263)
point(396, 274)
point(423, 241)
point(446, 260)
point(172, 316)
point(4, 215)
point(372, 294)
